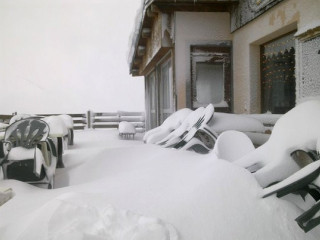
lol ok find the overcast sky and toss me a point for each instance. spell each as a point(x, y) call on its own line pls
point(67, 56)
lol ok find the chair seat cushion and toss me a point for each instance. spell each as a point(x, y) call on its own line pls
point(21, 153)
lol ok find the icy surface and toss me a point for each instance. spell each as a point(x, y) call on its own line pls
point(201, 196)
point(297, 129)
point(232, 145)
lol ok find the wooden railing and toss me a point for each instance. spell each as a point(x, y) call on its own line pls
point(99, 119)
point(112, 119)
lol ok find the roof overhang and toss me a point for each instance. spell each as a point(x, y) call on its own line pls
point(167, 6)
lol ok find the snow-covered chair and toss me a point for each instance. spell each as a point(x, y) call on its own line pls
point(18, 117)
point(178, 133)
point(58, 133)
point(170, 124)
point(306, 183)
point(200, 137)
point(69, 124)
point(297, 129)
point(126, 129)
point(232, 145)
point(29, 156)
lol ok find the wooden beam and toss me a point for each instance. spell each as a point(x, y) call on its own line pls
point(141, 50)
point(135, 72)
point(137, 61)
point(146, 32)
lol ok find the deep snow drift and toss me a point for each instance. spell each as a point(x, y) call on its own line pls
point(199, 196)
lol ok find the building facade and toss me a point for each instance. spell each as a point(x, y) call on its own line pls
point(243, 56)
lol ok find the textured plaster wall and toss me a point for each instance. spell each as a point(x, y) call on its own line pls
point(283, 18)
point(191, 29)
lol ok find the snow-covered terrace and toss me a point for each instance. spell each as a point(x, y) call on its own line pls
point(113, 188)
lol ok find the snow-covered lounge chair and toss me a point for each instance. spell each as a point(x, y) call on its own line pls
point(58, 133)
point(178, 133)
point(297, 129)
point(29, 156)
point(69, 124)
point(200, 138)
point(170, 124)
point(305, 182)
point(126, 129)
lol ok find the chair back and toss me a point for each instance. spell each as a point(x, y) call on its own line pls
point(27, 133)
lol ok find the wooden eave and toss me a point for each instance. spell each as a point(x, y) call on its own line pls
point(170, 6)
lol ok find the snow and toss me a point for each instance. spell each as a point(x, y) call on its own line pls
point(297, 129)
point(57, 126)
point(227, 121)
point(18, 117)
point(90, 218)
point(67, 119)
point(126, 127)
point(199, 196)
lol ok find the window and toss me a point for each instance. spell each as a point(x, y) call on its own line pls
point(159, 93)
point(278, 75)
point(211, 76)
point(166, 86)
point(209, 84)
point(151, 100)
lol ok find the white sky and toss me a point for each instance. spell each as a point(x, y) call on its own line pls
point(67, 56)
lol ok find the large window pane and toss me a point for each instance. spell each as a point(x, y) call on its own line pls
point(166, 103)
point(209, 83)
point(152, 100)
point(278, 75)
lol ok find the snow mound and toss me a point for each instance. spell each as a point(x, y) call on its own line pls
point(87, 216)
point(232, 145)
point(297, 129)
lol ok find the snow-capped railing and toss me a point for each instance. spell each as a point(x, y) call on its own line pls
point(112, 119)
point(92, 119)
